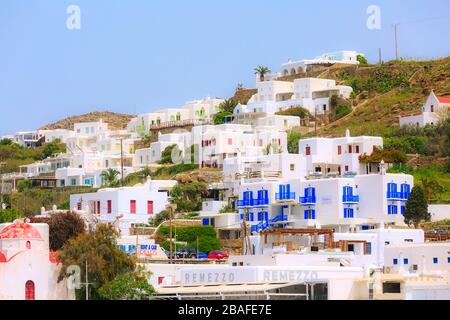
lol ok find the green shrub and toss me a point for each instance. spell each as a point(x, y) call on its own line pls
point(207, 237)
point(342, 110)
point(9, 215)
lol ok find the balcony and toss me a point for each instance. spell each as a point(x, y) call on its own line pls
point(260, 202)
point(245, 203)
point(398, 196)
point(349, 199)
point(307, 201)
point(285, 196)
point(279, 218)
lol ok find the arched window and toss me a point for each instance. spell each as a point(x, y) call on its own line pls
point(28, 245)
point(29, 290)
point(432, 108)
point(178, 116)
point(293, 71)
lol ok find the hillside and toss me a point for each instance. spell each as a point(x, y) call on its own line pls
point(116, 121)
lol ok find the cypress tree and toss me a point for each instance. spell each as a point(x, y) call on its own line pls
point(416, 208)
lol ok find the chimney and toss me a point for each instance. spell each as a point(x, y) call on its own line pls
point(347, 133)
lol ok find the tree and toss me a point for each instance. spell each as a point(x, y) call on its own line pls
point(228, 105)
point(104, 259)
point(361, 59)
point(9, 215)
point(262, 71)
point(293, 138)
point(24, 185)
point(127, 287)
point(110, 176)
point(53, 148)
point(6, 142)
point(62, 228)
point(168, 153)
point(219, 118)
point(188, 197)
point(416, 208)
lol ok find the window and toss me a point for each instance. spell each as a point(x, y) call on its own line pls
point(346, 168)
point(132, 206)
point(435, 260)
point(432, 108)
point(28, 245)
point(109, 206)
point(310, 214)
point(405, 261)
point(395, 262)
point(357, 149)
point(98, 207)
point(149, 207)
point(348, 213)
point(79, 206)
point(339, 149)
point(292, 167)
point(29, 290)
point(391, 287)
point(230, 141)
point(308, 151)
point(349, 149)
point(448, 260)
point(368, 248)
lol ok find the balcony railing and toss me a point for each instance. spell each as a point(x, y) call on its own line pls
point(285, 196)
point(309, 200)
point(279, 218)
point(350, 199)
point(260, 202)
point(252, 202)
point(398, 195)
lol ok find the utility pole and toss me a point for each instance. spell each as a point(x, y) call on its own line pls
point(87, 282)
point(379, 56)
point(396, 40)
point(121, 159)
point(170, 234)
point(315, 122)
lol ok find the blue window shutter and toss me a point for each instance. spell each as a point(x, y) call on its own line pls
point(344, 191)
point(280, 189)
point(305, 214)
point(345, 212)
point(242, 216)
point(435, 260)
point(252, 216)
point(352, 213)
point(288, 188)
point(251, 194)
point(313, 214)
point(205, 222)
point(313, 192)
point(389, 209)
point(266, 214)
point(266, 194)
point(405, 261)
point(395, 261)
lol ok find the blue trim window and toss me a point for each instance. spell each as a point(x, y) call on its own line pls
point(347, 195)
point(448, 260)
point(263, 197)
point(364, 227)
point(241, 216)
point(284, 192)
point(310, 214)
point(348, 213)
point(395, 261)
point(309, 196)
point(392, 209)
point(205, 222)
point(405, 261)
point(406, 190)
point(402, 210)
point(435, 260)
point(392, 191)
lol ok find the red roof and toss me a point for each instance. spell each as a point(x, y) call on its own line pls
point(444, 99)
point(20, 230)
point(2, 257)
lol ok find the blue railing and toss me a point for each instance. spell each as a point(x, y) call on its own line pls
point(308, 200)
point(279, 218)
point(260, 202)
point(398, 195)
point(285, 196)
point(350, 199)
point(252, 202)
point(245, 203)
point(259, 227)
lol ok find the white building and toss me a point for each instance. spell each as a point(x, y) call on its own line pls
point(435, 109)
point(300, 66)
point(312, 94)
point(125, 206)
point(28, 270)
point(233, 140)
point(57, 134)
point(28, 138)
point(338, 155)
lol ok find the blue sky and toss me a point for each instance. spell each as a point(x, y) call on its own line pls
point(136, 56)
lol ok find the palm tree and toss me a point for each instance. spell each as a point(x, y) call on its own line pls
point(228, 105)
point(262, 71)
point(110, 177)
